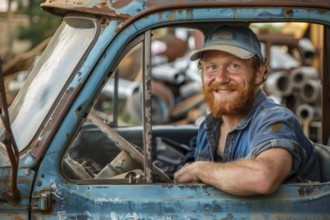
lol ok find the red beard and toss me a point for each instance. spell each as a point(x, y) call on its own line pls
point(239, 104)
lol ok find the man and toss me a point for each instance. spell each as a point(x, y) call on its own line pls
point(248, 144)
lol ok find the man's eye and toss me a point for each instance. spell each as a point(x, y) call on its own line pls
point(211, 68)
point(234, 66)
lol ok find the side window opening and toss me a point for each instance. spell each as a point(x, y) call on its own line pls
point(122, 90)
point(176, 106)
point(120, 105)
point(92, 155)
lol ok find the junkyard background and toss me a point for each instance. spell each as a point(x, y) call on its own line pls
point(293, 50)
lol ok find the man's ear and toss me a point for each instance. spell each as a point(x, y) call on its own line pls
point(259, 78)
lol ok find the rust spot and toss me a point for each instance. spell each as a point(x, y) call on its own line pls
point(104, 21)
point(78, 110)
point(46, 133)
point(288, 12)
point(304, 191)
point(229, 216)
point(308, 190)
point(121, 4)
point(103, 4)
point(276, 127)
point(13, 216)
point(68, 136)
point(172, 17)
point(38, 143)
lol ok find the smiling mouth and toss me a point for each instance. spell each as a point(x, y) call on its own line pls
point(226, 91)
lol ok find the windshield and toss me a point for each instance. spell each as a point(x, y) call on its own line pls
point(48, 77)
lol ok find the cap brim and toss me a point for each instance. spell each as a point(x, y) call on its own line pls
point(236, 51)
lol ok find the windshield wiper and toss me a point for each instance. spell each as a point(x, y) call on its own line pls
point(7, 138)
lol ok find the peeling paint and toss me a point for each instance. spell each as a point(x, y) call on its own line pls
point(116, 200)
point(56, 191)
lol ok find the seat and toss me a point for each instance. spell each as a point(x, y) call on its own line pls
point(323, 153)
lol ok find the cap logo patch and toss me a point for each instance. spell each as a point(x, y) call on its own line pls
point(226, 35)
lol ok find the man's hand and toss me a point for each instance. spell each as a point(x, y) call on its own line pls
point(188, 173)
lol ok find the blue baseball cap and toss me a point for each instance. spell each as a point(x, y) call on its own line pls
point(237, 40)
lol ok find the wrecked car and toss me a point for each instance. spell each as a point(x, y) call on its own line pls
point(74, 148)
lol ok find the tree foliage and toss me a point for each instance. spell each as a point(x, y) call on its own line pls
point(42, 24)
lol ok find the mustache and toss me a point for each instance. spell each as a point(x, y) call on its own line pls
point(214, 86)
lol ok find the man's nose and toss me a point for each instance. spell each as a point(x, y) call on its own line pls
point(221, 76)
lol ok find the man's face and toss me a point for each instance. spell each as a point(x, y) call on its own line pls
point(229, 83)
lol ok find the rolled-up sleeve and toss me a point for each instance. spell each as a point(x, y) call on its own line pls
point(278, 127)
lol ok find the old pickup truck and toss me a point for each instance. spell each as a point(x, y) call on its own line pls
point(87, 136)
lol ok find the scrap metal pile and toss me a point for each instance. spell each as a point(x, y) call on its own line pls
point(176, 83)
point(299, 89)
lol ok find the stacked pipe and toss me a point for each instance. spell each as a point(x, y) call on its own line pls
point(178, 81)
point(299, 89)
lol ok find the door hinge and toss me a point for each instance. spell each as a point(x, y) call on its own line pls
point(42, 200)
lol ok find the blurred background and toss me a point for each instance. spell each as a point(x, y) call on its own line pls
point(25, 32)
point(23, 26)
point(294, 52)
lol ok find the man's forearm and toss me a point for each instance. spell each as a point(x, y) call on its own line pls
point(237, 177)
point(262, 175)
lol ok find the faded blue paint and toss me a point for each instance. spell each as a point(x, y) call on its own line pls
point(164, 201)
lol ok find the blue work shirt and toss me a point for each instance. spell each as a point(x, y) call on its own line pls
point(266, 126)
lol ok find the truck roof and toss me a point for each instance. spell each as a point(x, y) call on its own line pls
point(125, 9)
